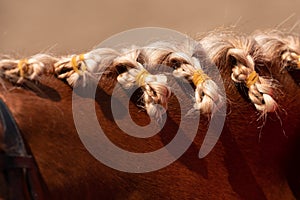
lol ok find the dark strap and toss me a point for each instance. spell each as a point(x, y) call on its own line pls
point(16, 156)
point(11, 162)
point(13, 141)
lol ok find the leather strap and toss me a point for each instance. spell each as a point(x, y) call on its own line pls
point(18, 165)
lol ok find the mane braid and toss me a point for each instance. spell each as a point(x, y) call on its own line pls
point(18, 71)
point(155, 89)
point(274, 45)
point(237, 52)
point(180, 57)
point(84, 68)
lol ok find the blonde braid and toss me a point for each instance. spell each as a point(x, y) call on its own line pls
point(155, 87)
point(207, 94)
point(17, 71)
point(260, 89)
point(80, 69)
point(275, 44)
point(291, 60)
point(222, 48)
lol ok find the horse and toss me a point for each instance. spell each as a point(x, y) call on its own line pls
point(254, 158)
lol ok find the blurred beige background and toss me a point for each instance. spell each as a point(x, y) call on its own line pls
point(65, 26)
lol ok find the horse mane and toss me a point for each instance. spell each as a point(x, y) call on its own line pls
point(262, 99)
point(248, 66)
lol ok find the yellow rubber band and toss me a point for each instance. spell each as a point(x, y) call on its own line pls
point(199, 77)
point(81, 58)
point(140, 78)
point(74, 63)
point(21, 63)
point(251, 79)
point(298, 63)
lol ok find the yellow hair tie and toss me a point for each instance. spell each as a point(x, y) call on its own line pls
point(74, 63)
point(298, 63)
point(21, 63)
point(199, 77)
point(140, 78)
point(251, 79)
point(81, 58)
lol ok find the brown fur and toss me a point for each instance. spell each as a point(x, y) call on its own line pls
point(268, 154)
point(247, 162)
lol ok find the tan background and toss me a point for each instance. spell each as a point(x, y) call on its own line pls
point(67, 26)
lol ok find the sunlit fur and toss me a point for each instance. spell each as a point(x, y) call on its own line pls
point(251, 160)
